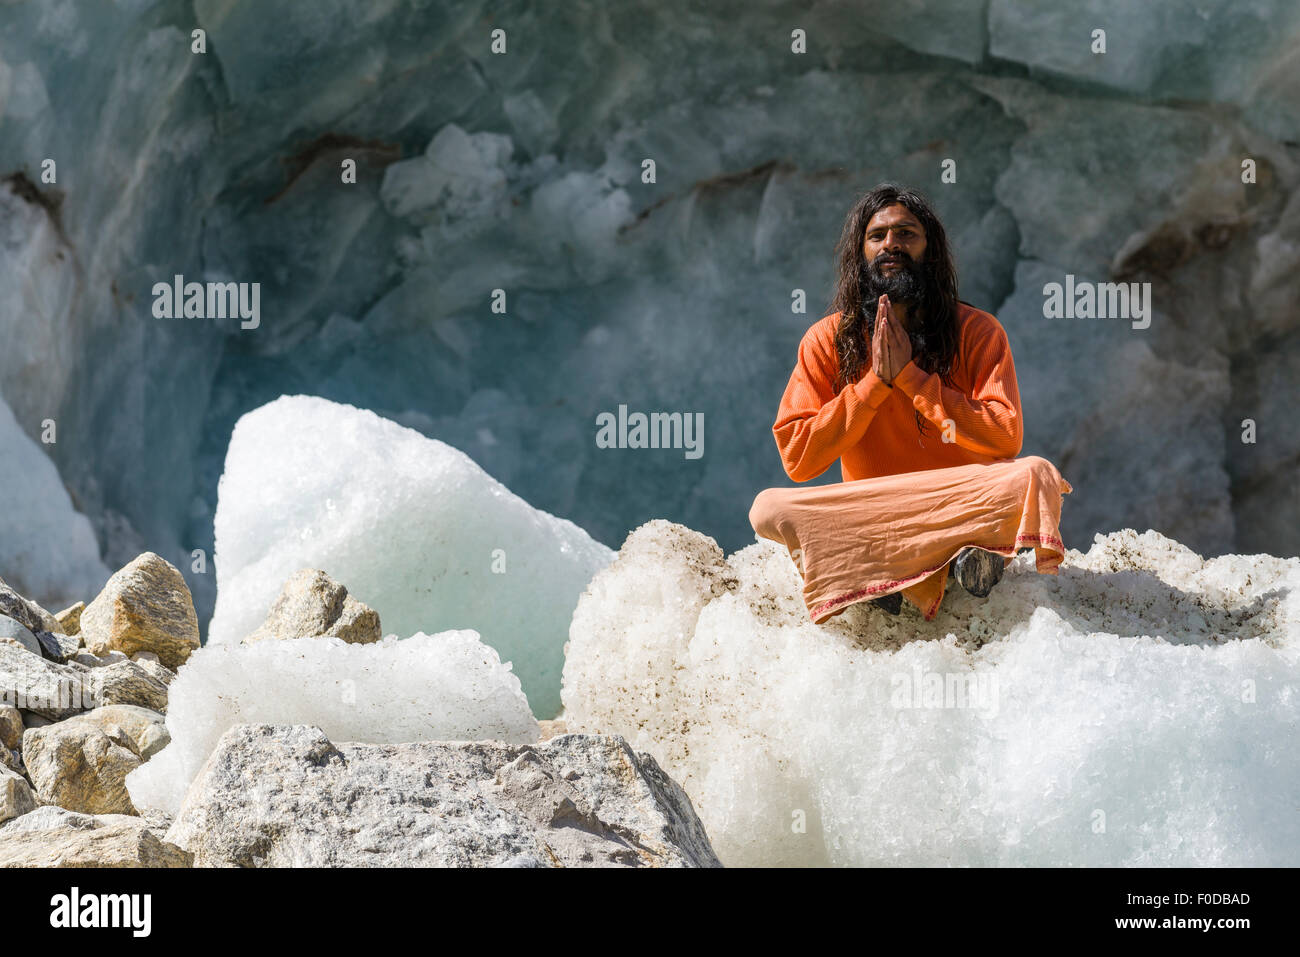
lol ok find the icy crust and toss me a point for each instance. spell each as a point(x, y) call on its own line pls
point(444, 687)
point(1139, 708)
point(412, 526)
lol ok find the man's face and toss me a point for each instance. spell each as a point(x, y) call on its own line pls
point(893, 246)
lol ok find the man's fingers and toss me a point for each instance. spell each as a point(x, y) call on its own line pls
point(896, 332)
point(877, 350)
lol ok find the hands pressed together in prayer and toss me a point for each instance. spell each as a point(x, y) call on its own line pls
point(891, 347)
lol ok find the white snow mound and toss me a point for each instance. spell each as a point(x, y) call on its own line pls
point(444, 687)
point(1137, 709)
point(412, 526)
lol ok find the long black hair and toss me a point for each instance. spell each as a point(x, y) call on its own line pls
point(934, 343)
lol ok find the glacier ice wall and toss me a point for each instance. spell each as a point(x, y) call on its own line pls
point(522, 172)
point(48, 550)
point(1137, 709)
point(443, 687)
point(413, 528)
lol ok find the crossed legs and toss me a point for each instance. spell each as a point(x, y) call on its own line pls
point(976, 570)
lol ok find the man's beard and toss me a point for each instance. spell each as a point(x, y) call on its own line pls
point(903, 284)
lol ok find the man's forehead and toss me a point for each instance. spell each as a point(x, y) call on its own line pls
point(895, 215)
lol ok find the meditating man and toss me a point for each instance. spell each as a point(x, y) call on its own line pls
point(914, 391)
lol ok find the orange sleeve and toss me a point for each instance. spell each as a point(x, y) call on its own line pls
point(814, 426)
point(988, 420)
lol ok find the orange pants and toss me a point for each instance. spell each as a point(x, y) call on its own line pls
point(853, 541)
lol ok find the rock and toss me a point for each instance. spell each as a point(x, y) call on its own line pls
point(157, 821)
point(12, 759)
point(55, 837)
point(51, 817)
point(11, 727)
point(31, 683)
point(33, 720)
point(127, 682)
point(57, 647)
point(80, 765)
point(70, 618)
point(148, 729)
point(155, 669)
point(20, 633)
point(15, 795)
point(27, 613)
point(144, 607)
point(312, 604)
point(284, 795)
point(99, 661)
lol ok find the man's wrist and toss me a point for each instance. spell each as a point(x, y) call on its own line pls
point(872, 389)
point(910, 377)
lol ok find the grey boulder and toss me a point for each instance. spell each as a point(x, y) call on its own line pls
point(285, 796)
point(81, 764)
point(127, 682)
point(58, 647)
point(46, 688)
point(27, 613)
point(16, 796)
point(55, 837)
point(15, 631)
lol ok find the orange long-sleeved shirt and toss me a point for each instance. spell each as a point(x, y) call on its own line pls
point(871, 427)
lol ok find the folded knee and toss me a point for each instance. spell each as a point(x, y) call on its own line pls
point(1040, 466)
point(765, 513)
